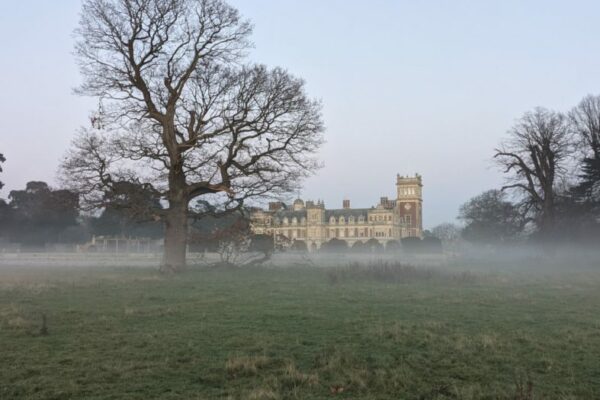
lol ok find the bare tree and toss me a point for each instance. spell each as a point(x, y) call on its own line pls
point(585, 124)
point(535, 156)
point(183, 113)
point(447, 232)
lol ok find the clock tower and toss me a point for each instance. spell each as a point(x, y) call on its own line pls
point(410, 204)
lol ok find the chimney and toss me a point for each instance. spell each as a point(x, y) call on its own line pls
point(346, 204)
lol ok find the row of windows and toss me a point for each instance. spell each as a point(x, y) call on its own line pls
point(356, 232)
point(286, 221)
point(408, 191)
point(342, 220)
point(338, 233)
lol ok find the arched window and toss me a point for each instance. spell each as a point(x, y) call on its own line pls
point(351, 219)
point(332, 220)
point(342, 220)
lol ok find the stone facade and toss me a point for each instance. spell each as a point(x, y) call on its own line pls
point(312, 223)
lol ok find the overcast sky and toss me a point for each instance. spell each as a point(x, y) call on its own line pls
point(407, 86)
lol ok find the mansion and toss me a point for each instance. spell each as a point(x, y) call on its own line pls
point(312, 223)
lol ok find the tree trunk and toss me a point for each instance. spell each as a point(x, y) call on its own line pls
point(548, 215)
point(176, 230)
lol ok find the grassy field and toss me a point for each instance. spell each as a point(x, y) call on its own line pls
point(297, 333)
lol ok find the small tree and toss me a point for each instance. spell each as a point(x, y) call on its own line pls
point(372, 245)
point(447, 232)
point(335, 246)
point(490, 218)
point(535, 157)
point(358, 247)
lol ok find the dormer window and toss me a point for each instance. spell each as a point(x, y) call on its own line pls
point(342, 220)
point(351, 219)
point(286, 221)
point(332, 220)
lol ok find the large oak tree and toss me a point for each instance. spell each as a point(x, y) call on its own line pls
point(183, 112)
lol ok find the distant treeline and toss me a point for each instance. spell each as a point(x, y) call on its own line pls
point(39, 215)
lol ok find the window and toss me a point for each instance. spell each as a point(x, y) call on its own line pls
point(351, 220)
point(361, 219)
point(332, 220)
point(286, 221)
point(342, 220)
point(294, 221)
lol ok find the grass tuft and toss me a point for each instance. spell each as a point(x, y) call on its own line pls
point(245, 365)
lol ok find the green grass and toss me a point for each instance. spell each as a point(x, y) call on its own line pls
point(296, 334)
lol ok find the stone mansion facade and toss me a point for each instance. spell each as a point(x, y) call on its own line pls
point(312, 223)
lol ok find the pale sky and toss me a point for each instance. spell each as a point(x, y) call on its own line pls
point(407, 86)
